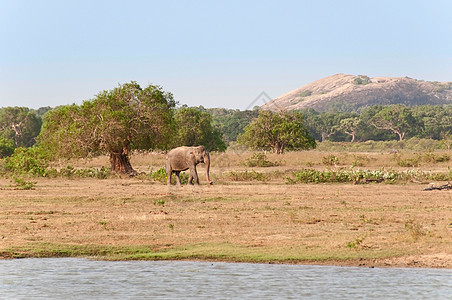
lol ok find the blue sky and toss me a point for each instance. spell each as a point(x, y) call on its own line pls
point(213, 53)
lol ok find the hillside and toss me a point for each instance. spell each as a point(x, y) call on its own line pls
point(343, 92)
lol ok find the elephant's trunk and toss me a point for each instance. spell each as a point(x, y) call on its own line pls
point(207, 162)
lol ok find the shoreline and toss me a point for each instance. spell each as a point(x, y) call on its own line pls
point(440, 261)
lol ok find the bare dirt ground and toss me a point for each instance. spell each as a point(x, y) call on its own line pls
point(125, 218)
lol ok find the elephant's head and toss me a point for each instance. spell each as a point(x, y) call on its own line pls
point(202, 156)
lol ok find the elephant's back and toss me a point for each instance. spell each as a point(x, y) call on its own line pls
point(177, 151)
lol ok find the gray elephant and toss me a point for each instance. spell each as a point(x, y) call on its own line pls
point(183, 158)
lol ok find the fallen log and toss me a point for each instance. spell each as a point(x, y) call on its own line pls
point(446, 186)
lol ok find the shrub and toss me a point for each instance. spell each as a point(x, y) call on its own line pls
point(247, 176)
point(360, 161)
point(22, 184)
point(330, 160)
point(259, 160)
point(427, 157)
point(359, 176)
point(71, 172)
point(361, 80)
point(160, 175)
point(30, 161)
point(309, 176)
point(442, 158)
point(408, 162)
point(430, 157)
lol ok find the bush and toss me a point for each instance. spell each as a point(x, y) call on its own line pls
point(430, 157)
point(32, 162)
point(247, 176)
point(260, 160)
point(71, 172)
point(361, 80)
point(426, 157)
point(408, 162)
point(360, 176)
point(22, 184)
point(360, 161)
point(27, 161)
point(330, 160)
point(160, 175)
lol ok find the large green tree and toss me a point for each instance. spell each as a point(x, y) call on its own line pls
point(369, 132)
point(114, 122)
point(194, 127)
point(397, 119)
point(277, 131)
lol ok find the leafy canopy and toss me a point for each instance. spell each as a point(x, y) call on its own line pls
point(194, 127)
point(396, 118)
point(277, 131)
point(116, 121)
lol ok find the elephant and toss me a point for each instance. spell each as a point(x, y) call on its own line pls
point(183, 158)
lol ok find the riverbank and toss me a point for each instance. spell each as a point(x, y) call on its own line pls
point(326, 224)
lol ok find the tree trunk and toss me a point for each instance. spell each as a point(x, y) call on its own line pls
point(400, 134)
point(352, 134)
point(278, 148)
point(120, 162)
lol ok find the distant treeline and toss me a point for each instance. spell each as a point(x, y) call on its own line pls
point(377, 123)
point(20, 125)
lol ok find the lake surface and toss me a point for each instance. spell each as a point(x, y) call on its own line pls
point(75, 278)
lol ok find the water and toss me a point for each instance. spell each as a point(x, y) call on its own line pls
point(75, 278)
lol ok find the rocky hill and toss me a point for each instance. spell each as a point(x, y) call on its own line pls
point(343, 92)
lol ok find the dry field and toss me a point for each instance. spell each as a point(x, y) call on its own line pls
point(138, 218)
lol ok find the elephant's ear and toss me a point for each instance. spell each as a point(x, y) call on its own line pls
point(191, 156)
point(198, 151)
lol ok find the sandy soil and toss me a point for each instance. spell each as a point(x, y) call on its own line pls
point(342, 224)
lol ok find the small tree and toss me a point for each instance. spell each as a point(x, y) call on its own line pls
point(194, 127)
point(277, 131)
point(115, 122)
point(350, 126)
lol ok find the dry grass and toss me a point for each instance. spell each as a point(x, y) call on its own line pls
point(130, 218)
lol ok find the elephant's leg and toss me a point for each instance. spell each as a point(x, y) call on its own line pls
point(169, 172)
point(178, 178)
point(190, 178)
point(195, 176)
